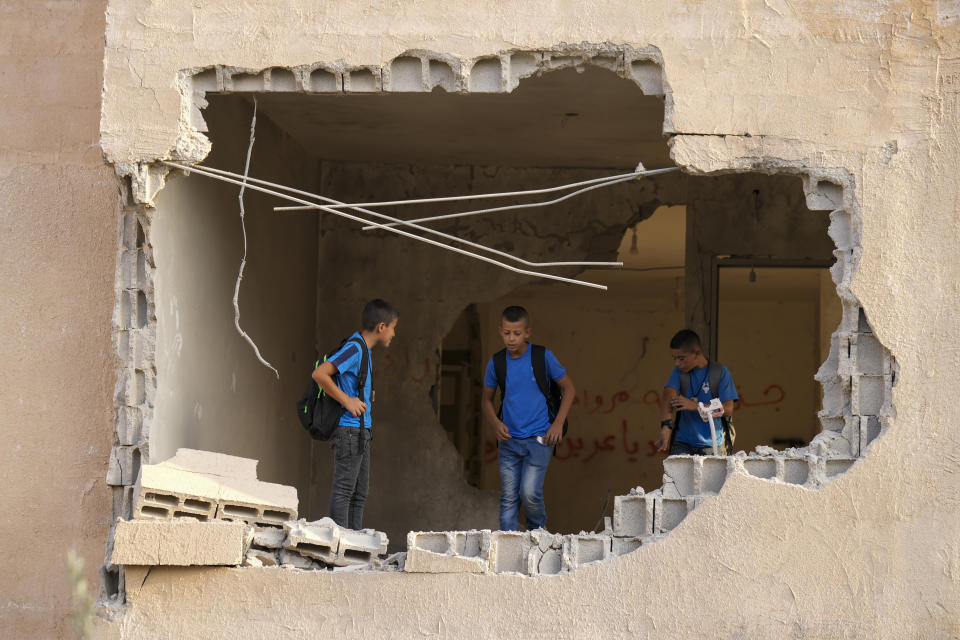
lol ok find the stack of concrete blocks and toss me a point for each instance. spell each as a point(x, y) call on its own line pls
point(330, 544)
point(199, 508)
point(207, 486)
point(529, 553)
point(448, 552)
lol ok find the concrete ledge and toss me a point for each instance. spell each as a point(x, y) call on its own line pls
point(178, 542)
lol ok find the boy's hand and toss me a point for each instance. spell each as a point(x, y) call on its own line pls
point(683, 404)
point(502, 432)
point(355, 406)
point(663, 443)
point(554, 434)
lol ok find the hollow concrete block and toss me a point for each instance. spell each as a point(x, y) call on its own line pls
point(668, 513)
point(620, 546)
point(360, 547)
point(424, 561)
point(509, 551)
point(632, 515)
point(713, 473)
point(795, 470)
point(680, 470)
point(319, 539)
point(178, 542)
point(761, 467)
point(581, 549)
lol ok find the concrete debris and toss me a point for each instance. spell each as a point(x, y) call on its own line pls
point(269, 538)
point(296, 561)
point(178, 542)
point(265, 557)
point(207, 486)
point(326, 541)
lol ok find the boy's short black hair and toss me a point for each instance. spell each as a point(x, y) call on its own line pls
point(375, 312)
point(515, 313)
point(686, 340)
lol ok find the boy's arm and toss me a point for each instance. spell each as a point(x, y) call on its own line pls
point(667, 412)
point(323, 375)
point(500, 430)
point(555, 432)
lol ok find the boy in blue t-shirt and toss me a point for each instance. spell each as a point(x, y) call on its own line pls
point(693, 434)
point(526, 434)
point(338, 376)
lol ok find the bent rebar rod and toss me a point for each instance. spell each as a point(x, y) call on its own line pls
point(396, 221)
point(505, 194)
point(399, 232)
point(509, 207)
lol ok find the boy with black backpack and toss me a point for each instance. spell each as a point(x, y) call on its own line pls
point(340, 375)
point(693, 380)
point(536, 394)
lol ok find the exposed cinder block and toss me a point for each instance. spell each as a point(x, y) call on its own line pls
point(585, 548)
point(680, 471)
point(364, 80)
point(319, 539)
point(486, 76)
point(435, 541)
point(509, 551)
point(621, 546)
point(870, 355)
point(796, 470)
point(546, 553)
point(668, 513)
point(179, 542)
point(282, 79)
point(835, 467)
point(424, 561)
point(123, 465)
point(360, 547)
point(209, 485)
point(405, 73)
point(246, 82)
point(648, 75)
point(870, 427)
point(761, 467)
point(632, 516)
point(713, 473)
point(326, 81)
point(471, 544)
point(868, 395)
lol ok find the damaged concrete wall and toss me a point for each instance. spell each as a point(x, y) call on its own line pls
point(58, 235)
point(866, 95)
point(212, 393)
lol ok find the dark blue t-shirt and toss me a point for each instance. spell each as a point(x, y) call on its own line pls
point(524, 407)
point(692, 429)
point(347, 362)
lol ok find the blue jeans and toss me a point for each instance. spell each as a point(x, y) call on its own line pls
point(684, 449)
point(523, 466)
point(351, 475)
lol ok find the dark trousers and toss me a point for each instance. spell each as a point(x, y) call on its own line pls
point(351, 475)
point(682, 448)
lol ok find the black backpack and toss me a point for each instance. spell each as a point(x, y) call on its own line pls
point(550, 389)
point(715, 373)
point(319, 413)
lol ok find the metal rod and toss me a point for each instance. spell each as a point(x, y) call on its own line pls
point(400, 232)
point(508, 194)
point(529, 205)
point(393, 220)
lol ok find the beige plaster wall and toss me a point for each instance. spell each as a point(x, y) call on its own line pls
point(212, 393)
point(871, 90)
point(58, 235)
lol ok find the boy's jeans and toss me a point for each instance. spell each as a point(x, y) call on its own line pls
point(523, 465)
point(351, 475)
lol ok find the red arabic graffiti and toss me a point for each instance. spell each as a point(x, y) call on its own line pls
point(586, 450)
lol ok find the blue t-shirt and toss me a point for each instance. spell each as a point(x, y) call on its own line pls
point(524, 407)
point(347, 362)
point(692, 429)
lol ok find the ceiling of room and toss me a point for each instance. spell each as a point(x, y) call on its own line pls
point(564, 118)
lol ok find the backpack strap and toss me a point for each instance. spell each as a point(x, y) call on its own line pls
point(716, 372)
point(362, 375)
point(500, 369)
point(538, 358)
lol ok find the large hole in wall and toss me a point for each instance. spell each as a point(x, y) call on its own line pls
point(773, 304)
point(307, 277)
